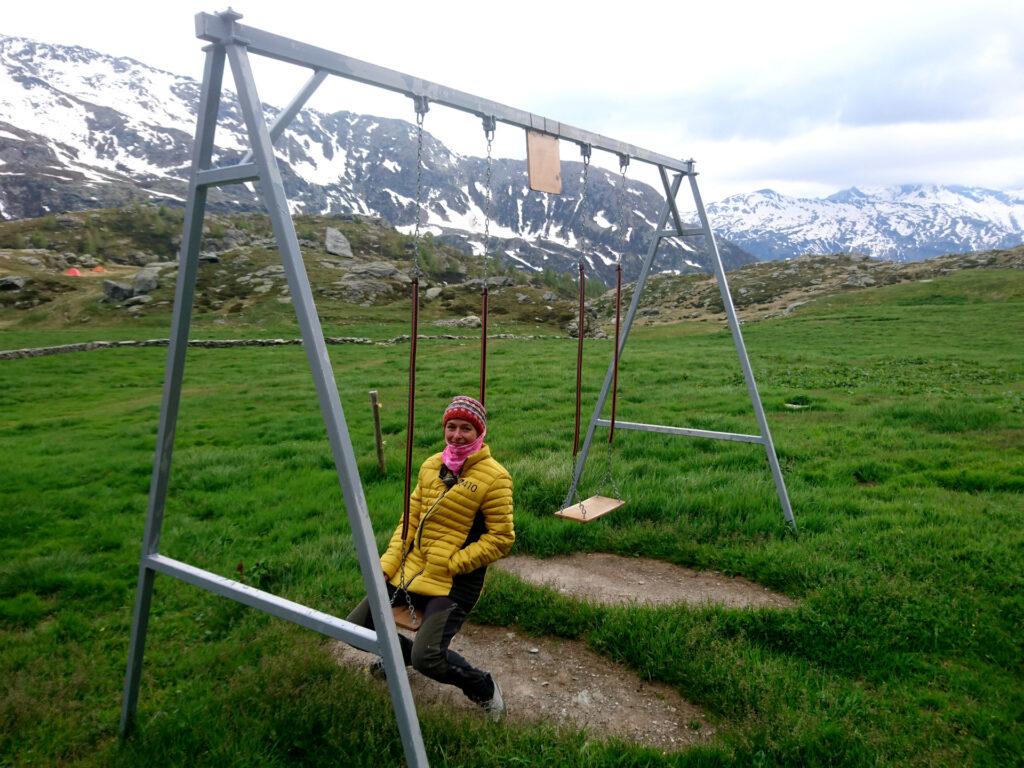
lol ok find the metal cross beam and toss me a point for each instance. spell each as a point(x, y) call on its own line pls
point(224, 29)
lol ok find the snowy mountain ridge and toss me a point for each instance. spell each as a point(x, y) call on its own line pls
point(79, 129)
point(902, 223)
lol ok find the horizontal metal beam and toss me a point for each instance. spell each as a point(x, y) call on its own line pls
point(217, 29)
point(325, 624)
point(680, 233)
point(229, 174)
point(684, 431)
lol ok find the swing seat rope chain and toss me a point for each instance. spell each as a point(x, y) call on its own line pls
point(581, 320)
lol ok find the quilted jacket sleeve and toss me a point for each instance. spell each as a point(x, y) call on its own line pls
point(500, 533)
point(391, 560)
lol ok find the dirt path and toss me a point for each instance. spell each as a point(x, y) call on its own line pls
point(564, 683)
point(610, 579)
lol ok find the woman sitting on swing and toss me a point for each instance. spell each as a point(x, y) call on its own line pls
point(460, 521)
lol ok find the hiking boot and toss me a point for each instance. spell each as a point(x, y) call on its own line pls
point(495, 706)
point(376, 669)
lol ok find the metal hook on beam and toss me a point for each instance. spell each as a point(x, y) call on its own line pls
point(490, 124)
point(422, 106)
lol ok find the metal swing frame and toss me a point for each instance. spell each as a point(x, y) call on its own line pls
point(232, 42)
point(669, 211)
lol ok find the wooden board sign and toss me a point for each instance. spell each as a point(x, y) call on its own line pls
point(542, 162)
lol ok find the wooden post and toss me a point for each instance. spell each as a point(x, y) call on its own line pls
point(375, 405)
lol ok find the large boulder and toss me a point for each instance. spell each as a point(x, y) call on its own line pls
point(12, 282)
point(114, 291)
point(336, 243)
point(141, 258)
point(145, 281)
point(375, 269)
point(363, 290)
point(469, 321)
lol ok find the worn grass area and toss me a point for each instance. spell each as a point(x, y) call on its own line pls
point(906, 473)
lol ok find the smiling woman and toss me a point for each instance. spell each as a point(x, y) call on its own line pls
point(460, 521)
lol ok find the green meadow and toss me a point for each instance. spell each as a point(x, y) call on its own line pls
point(905, 468)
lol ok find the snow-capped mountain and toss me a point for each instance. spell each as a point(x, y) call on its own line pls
point(904, 223)
point(79, 129)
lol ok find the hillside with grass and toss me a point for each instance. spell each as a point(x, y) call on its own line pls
point(123, 269)
point(904, 462)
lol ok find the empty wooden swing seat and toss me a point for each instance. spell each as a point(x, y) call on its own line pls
point(590, 509)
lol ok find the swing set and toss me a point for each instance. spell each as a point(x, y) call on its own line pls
point(232, 43)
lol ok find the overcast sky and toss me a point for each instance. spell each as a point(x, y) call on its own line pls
point(802, 97)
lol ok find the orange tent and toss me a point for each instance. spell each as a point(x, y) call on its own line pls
point(97, 269)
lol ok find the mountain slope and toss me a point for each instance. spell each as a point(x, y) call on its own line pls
point(79, 129)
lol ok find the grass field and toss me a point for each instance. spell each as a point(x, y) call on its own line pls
point(906, 475)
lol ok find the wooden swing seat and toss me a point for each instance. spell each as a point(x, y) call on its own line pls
point(590, 509)
point(406, 620)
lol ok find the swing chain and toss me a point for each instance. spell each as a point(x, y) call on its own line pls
point(422, 105)
point(402, 587)
point(490, 124)
point(623, 166)
point(585, 152)
point(609, 476)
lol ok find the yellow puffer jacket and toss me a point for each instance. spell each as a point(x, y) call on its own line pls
point(441, 521)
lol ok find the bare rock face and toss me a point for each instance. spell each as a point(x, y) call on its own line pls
point(492, 282)
point(376, 269)
point(591, 327)
point(469, 321)
point(337, 244)
point(115, 291)
point(141, 258)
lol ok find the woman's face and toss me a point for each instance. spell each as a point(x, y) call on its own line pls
point(459, 432)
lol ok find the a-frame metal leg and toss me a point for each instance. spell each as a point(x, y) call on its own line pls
point(188, 262)
point(670, 208)
point(741, 350)
point(641, 281)
point(273, 194)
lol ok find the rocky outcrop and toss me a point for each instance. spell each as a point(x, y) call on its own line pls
point(115, 291)
point(336, 244)
point(12, 282)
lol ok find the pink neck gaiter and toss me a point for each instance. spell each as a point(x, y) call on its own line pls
point(454, 456)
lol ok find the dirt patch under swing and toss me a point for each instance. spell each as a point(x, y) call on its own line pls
point(615, 580)
point(563, 682)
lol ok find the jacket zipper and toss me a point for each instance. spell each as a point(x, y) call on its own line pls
point(423, 520)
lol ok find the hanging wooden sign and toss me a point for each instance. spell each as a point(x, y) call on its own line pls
point(542, 162)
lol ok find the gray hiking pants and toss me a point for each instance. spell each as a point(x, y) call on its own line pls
point(429, 653)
